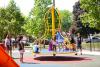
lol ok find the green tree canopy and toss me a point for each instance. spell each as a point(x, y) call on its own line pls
point(11, 20)
point(35, 25)
point(66, 19)
point(92, 12)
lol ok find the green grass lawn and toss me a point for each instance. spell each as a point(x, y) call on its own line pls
point(95, 46)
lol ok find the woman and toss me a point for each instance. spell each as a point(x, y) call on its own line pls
point(8, 45)
point(21, 48)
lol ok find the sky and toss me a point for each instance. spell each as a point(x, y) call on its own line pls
point(27, 5)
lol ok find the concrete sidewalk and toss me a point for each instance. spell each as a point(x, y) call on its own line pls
point(91, 52)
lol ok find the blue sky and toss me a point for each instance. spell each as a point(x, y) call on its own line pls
point(26, 5)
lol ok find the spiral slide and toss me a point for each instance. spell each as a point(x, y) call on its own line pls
point(6, 60)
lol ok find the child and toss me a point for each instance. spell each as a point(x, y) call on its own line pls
point(35, 48)
point(66, 43)
point(54, 43)
point(50, 45)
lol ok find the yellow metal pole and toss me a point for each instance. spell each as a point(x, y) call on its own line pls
point(53, 22)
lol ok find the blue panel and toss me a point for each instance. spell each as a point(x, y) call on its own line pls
point(59, 37)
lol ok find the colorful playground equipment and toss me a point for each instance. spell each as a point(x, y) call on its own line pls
point(6, 60)
point(63, 42)
point(55, 27)
point(63, 47)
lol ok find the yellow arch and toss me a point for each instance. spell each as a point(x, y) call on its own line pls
point(47, 29)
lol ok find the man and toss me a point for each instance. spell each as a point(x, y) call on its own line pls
point(79, 42)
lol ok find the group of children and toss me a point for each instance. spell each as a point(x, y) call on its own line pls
point(69, 43)
point(75, 43)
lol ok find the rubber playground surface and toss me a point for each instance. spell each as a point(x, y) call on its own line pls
point(61, 57)
point(69, 59)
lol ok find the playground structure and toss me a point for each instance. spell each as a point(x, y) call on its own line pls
point(6, 60)
point(55, 30)
point(52, 28)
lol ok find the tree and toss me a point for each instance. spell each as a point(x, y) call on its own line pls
point(3, 22)
point(77, 23)
point(77, 11)
point(15, 19)
point(66, 19)
point(11, 20)
point(80, 21)
point(92, 14)
point(35, 25)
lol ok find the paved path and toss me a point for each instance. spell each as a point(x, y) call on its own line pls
point(87, 52)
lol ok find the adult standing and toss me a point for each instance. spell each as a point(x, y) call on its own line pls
point(13, 42)
point(8, 45)
point(79, 42)
point(21, 48)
